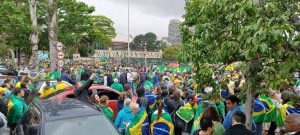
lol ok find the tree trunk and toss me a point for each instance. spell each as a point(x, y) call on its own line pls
point(52, 33)
point(249, 105)
point(34, 37)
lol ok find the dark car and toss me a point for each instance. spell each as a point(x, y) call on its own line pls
point(99, 89)
point(65, 117)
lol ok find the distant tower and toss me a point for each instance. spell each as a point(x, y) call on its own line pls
point(174, 32)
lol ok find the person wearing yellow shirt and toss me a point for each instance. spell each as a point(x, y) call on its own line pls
point(60, 85)
point(47, 90)
point(21, 79)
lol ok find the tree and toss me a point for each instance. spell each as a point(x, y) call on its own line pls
point(171, 53)
point(151, 40)
point(78, 28)
point(148, 41)
point(15, 25)
point(260, 36)
point(136, 44)
point(34, 35)
point(52, 32)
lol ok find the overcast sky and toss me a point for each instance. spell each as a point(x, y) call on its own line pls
point(145, 15)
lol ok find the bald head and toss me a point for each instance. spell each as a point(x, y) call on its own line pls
point(134, 107)
point(127, 101)
point(292, 123)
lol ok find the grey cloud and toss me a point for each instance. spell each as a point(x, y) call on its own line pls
point(160, 8)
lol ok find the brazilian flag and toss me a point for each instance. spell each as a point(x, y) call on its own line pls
point(289, 109)
point(197, 117)
point(162, 126)
point(282, 113)
point(259, 111)
point(292, 110)
point(139, 124)
point(186, 113)
point(271, 112)
point(16, 109)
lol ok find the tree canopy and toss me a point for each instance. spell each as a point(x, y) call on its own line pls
point(76, 26)
point(260, 34)
point(170, 53)
point(148, 41)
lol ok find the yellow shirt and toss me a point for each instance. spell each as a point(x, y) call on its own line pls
point(61, 86)
point(47, 92)
point(18, 85)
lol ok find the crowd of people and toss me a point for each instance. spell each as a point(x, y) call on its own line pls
point(160, 103)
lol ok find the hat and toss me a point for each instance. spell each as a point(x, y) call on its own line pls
point(2, 89)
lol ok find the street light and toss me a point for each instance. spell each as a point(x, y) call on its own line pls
point(145, 53)
point(128, 49)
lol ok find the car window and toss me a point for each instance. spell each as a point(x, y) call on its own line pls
point(80, 126)
point(111, 95)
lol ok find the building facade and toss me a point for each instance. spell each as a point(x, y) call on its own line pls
point(174, 34)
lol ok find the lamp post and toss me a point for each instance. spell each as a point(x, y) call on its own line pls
point(145, 55)
point(145, 51)
point(128, 49)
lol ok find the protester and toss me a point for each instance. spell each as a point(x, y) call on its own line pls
point(259, 112)
point(184, 117)
point(81, 91)
point(8, 83)
point(117, 86)
point(140, 122)
point(3, 104)
point(206, 127)
point(16, 108)
point(66, 77)
point(238, 125)
point(103, 104)
point(124, 116)
point(292, 123)
point(3, 124)
point(6, 94)
point(20, 80)
point(212, 113)
point(232, 104)
point(109, 78)
point(161, 121)
point(142, 100)
point(47, 90)
point(124, 77)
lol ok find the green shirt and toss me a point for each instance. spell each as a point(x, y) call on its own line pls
point(108, 112)
point(218, 128)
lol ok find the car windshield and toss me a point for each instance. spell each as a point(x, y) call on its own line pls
point(89, 125)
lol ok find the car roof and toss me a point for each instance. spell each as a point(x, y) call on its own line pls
point(54, 109)
point(96, 86)
point(44, 80)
